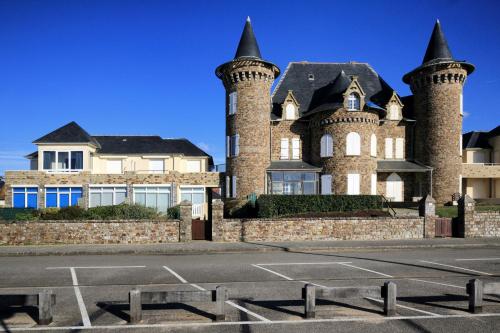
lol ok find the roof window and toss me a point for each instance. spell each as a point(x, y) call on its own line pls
point(311, 77)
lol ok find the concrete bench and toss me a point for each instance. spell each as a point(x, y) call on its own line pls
point(137, 298)
point(387, 292)
point(476, 289)
point(44, 301)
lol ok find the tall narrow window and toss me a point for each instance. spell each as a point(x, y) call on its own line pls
point(290, 111)
point(234, 145)
point(394, 112)
point(49, 160)
point(295, 148)
point(373, 145)
point(353, 103)
point(400, 143)
point(284, 149)
point(353, 183)
point(353, 144)
point(374, 184)
point(233, 102)
point(461, 104)
point(228, 187)
point(326, 184)
point(228, 146)
point(326, 146)
point(388, 147)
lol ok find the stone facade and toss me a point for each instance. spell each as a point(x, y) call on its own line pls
point(251, 80)
point(437, 94)
point(41, 179)
point(476, 224)
point(339, 124)
point(89, 232)
point(290, 129)
point(313, 229)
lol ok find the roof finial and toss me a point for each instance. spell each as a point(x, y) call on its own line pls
point(248, 18)
point(248, 46)
point(437, 21)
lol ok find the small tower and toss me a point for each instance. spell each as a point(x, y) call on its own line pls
point(247, 80)
point(437, 102)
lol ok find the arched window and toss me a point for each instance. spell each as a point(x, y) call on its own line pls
point(394, 112)
point(290, 111)
point(353, 102)
point(326, 145)
point(353, 144)
point(373, 145)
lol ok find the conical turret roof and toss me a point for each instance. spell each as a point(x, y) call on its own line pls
point(248, 47)
point(438, 48)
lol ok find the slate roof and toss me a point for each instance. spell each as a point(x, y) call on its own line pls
point(479, 139)
point(69, 133)
point(122, 144)
point(292, 166)
point(296, 78)
point(248, 47)
point(437, 49)
point(400, 166)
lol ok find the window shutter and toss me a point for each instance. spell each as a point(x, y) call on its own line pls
point(228, 187)
point(232, 102)
point(353, 144)
point(228, 146)
point(388, 148)
point(373, 145)
point(326, 184)
point(353, 183)
point(323, 146)
point(400, 148)
point(234, 186)
point(236, 145)
point(284, 149)
point(295, 148)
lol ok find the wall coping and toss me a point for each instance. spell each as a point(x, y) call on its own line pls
point(281, 219)
point(87, 221)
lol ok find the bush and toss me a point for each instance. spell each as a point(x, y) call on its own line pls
point(18, 214)
point(66, 213)
point(121, 212)
point(238, 208)
point(282, 205)
point(174, 212)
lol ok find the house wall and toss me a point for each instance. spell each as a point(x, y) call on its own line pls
point(87, 150)
point(289, 129)
point(495, 143)
point(140, 163)
point(390, 129)
point(477, 188)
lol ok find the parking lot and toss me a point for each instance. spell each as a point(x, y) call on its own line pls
point(265, 291)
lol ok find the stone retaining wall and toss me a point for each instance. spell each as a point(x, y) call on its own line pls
point(305, 229)
point(485, 224)
point(89, 232)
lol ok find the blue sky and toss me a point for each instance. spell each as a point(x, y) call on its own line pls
point(147, 67)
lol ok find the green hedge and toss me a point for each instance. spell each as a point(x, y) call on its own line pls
point(282, 205)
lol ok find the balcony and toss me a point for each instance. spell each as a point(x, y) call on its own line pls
point(481, 170)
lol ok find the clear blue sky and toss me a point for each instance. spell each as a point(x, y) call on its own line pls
point(147, 67)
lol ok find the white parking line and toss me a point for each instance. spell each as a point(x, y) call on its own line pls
point(120, 328)
point(439, 283)
point(227, 302)
point(368, 270)
point(456, 267)
point(273, 272)
point(478, 259)
point(406, 307)
point(95, 267)
point(175, 274)
point(305, 263)
point(79, 299)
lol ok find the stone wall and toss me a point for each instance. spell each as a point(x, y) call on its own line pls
point(476, 224)
point(289, 129)
point(312, 229)
point(89, 232)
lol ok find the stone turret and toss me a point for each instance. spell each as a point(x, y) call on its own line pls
point(247, 80)
point(437, 96)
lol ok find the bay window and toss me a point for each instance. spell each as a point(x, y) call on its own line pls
point(63, 161)
point(292, 182)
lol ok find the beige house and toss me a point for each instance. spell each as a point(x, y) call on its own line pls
point(481, 164)
point(72, 167)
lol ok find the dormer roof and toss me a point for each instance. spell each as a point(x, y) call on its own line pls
point(69, 133)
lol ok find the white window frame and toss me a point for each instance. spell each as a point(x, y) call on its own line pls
point(400, 148)
point(373, 145)
point(158, 188)
point(295, 148)
point(353, 179)
point(57, 160)
point(284, 149)
point(290, 111)
point(233, 102)
point(353, 144)
point(373, 184)
point(107, 189)
point(326, 145)
point(389, 147)
point(326, 184)
point(25, 194)
point(352, 100)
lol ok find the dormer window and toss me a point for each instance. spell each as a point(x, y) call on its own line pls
point(353, 102)
point(394, 112)
point(311, 77)
point(290, 111)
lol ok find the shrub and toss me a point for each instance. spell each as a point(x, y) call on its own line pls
point(121, 212)
point(238, 208)
point(282, 205)
point(18, 214)
point(174, 212)
point(66, 213)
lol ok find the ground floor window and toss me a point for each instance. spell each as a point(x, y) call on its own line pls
point(60, 197)
point(353, 183)
point(25, 197)
point(195, 195)
point(292, 182)
point(157, 197)
point(106, 196)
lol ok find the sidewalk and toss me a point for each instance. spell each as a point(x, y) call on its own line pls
point(206, 247)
